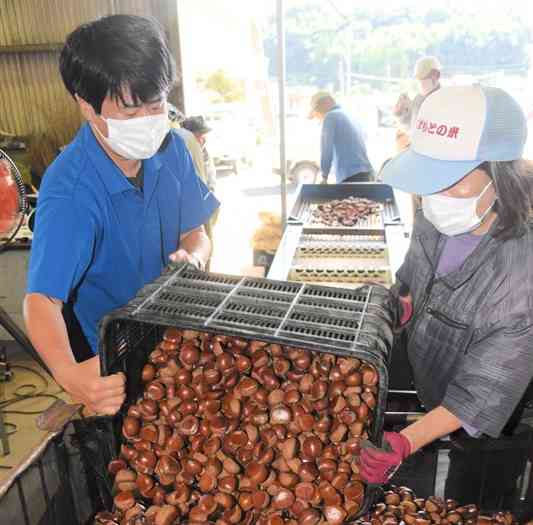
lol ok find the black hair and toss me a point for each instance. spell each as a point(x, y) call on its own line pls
point(513, 183)
point(103, 57)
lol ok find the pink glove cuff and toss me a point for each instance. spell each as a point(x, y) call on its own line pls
point(407, 310)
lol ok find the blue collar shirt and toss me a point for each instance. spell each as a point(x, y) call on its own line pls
point(98, 239)
point(342, 146)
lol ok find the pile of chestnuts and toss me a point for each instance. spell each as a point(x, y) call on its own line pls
point(234, 431)
point(346, 212)
point(401, 506)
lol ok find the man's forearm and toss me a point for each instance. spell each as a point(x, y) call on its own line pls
point(47, 331)
point(434, 425)
point(197, 243)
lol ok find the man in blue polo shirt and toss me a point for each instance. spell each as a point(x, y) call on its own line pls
point(342, 146)
point(119, 202)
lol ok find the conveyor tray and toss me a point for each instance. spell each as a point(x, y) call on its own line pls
point(311, 194)
point(325, 276)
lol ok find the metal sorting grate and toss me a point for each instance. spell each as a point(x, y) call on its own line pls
point(337, 263)
point(340, 275)
point(361, 251)
point(292, 311)
point(321, 237)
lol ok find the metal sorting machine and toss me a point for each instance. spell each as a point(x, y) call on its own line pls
point(344, 255)
point(69, 471)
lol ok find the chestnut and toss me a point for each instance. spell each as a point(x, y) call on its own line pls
point(124, 500)
point(260, 499)
point(145, 462)
point(116, 465)
point(305, 491)
point(189, 353)
point(125, 480)
point(312, 447)
point(155, 390)
point(284, 499)
point(256, 472)
point(247, 387)
point(280, 414)
point(188, 426)
point(309, 517)
point(130, 427)
point(334, 514)
point(228, 484)
point(148, 373)
point(145, 483)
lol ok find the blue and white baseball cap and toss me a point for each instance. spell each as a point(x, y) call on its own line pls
point(457, 129)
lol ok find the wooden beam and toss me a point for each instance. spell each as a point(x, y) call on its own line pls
point(50, 47)
point(167, 13)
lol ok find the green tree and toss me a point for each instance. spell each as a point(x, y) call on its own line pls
point(389, 41)
point(229, 89)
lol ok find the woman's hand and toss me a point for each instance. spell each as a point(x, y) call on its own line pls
point(100, 395)
point(378, 465)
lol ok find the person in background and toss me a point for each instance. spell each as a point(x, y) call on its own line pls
point(465, 288)
point(342, 145)
point(427, 74)
point(177, 118)
point(118, 204)
point(197, 127)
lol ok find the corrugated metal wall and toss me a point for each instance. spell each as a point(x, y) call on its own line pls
point(33, 101)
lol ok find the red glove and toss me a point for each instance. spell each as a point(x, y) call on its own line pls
point(378, 465)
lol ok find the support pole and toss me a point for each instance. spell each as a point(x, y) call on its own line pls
point(281, 93)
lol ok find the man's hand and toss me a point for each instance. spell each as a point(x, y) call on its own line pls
point(379, 465)
point(324, 180)
point(100, 395)
point(182, 255)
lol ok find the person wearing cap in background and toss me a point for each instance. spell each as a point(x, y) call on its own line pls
point(193, 131)
point(465, 289)
point(206, 168)
point(176, 118)
point(427, 74)
point(342, 145)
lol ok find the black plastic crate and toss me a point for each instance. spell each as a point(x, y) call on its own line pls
point(353, 323)
point(319, 193)
point(64, 481)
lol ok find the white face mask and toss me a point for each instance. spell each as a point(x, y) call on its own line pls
point(426, 86)
point(136, 138)
point(453, 216)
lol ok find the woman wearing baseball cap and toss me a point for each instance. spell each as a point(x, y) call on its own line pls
point(466, 285)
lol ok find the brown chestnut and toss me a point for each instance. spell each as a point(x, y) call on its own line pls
point(284, 499)
point(124, 500)
point(312, 447)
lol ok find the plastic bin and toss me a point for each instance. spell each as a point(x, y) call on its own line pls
point(64, 481)
point(353, 323)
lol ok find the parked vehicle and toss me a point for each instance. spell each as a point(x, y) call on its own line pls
point(232, 141)
point(302, 148)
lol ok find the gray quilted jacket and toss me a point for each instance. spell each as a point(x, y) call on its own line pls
point(470, 340)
